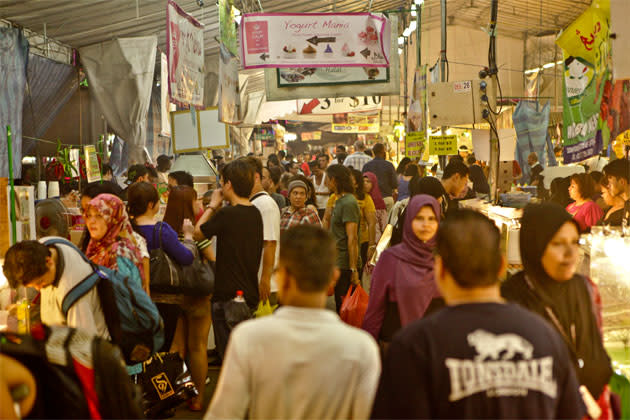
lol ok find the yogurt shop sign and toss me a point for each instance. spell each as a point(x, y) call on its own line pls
point(292, 40)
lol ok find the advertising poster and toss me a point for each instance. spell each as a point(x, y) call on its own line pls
point(417, 113)
point(443, 145)
point(356, 123)
point(314, 40)
point(227, 27)
point(415, 144)
point(339, 105)
point(91, 164)
point(322, 76)
point(229, 97)
point(184, 49)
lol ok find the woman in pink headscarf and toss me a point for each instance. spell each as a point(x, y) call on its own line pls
point(371, 187)
point(403, 283)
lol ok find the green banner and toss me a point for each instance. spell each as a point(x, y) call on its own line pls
point(227, 27)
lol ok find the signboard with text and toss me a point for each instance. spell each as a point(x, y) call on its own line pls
point(415, 144)
point(443, 145)
point(339, 105)
point(294, 40)
point(356, 123)
point(184, 48)
point(91, 164)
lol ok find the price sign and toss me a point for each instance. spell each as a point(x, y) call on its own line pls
point(443, 145)
point(415, 144)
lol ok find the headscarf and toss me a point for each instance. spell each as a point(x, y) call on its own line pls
point(377, 198)
point(412, 265)
point(118, 241)
point(570, 300)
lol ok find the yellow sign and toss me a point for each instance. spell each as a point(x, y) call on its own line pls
point(91, 164)
point(415, 144)
point(624, 138)
point(443, 145)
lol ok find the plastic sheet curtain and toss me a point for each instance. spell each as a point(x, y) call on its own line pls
point(49, 86)
point(120, 76)
point(13, 61)
point(531, 122)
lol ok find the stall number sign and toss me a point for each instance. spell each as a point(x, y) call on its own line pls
point(414, 144)
point(443, 145)
point(462, 87)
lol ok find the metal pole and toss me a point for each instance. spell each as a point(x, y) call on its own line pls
point(442, 158)
point(12, 214)
point(494, 140)
point(418, 33)
point(406, 54)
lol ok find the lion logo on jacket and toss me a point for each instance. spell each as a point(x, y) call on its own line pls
point(503, 366)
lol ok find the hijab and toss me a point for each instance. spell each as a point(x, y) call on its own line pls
point(411, 264)
point(375, 193)
point(570, 301)
point(119, 240)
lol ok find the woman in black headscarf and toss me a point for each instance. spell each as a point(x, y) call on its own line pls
point(550, 287)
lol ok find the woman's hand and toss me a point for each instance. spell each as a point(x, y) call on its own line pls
point(217, 199)
point(188, 228)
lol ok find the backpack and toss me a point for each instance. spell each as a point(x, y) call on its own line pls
point(132, 318)
point(77, 375)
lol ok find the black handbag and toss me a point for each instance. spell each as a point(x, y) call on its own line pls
point(166, 383)
point(167, 276)
point(198, 277)
point(165, 273)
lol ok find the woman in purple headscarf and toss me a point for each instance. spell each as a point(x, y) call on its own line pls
point(403, 283)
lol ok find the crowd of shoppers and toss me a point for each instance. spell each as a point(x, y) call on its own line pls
point(441, 336)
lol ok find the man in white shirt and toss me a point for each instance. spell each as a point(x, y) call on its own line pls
point(271, 233)
point(322, 193)
point(302, 361)
point(358, 158)
point(55, 270)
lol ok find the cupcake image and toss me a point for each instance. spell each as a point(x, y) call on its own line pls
point(289, 51)
point(346, 52)
point(309, 52)
point(328, 52)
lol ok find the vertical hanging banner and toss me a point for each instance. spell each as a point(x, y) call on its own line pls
point(165, 105)
point(13, 59)
point(184, 48)
point(417, 113)
point(230, 110)
point(91, 164)
point(314, 40)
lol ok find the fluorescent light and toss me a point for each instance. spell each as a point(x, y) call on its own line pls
point(449, 131)
point(413, 25)
point(236, 11)
point(418, 2)
point(560, 62)
point(400, 51)
point(530, 71)
point(401, 40)
point(548, 65)
point(413, 11)
point(406, 32)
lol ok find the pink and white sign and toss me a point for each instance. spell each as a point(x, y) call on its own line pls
point(292, 40)
point(184, 49)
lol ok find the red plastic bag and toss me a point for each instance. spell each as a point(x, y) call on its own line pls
point(354, 306)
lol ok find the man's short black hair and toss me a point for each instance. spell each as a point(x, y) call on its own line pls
point(275, 173)
point(96, 188)
point(309, 254)
point(136, 171)
point(340, 148)
point(256, 164)
point(106, 169)
point(618, 168)
point(378, 149)
point(342, 177)
point(182, 178)
point(324, 155)
point(24, 262)
point(240, 173)
point(471, 159)
point(282, 154)
point(469, 244)
point(455, 166)
point(163, 163)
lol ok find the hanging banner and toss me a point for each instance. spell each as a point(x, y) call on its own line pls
point(587, 37)
point(325, 76)
point(227, 26)
point(91, 164)
point(339, 105)
point(417, 113)
point(314, 40)
point(229, 97)
point(355, 123)
point(165, 105)
point(443, 145)
point(184, 48)
point(415, 143)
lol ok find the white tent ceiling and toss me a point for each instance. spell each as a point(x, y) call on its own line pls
point(78, 23)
